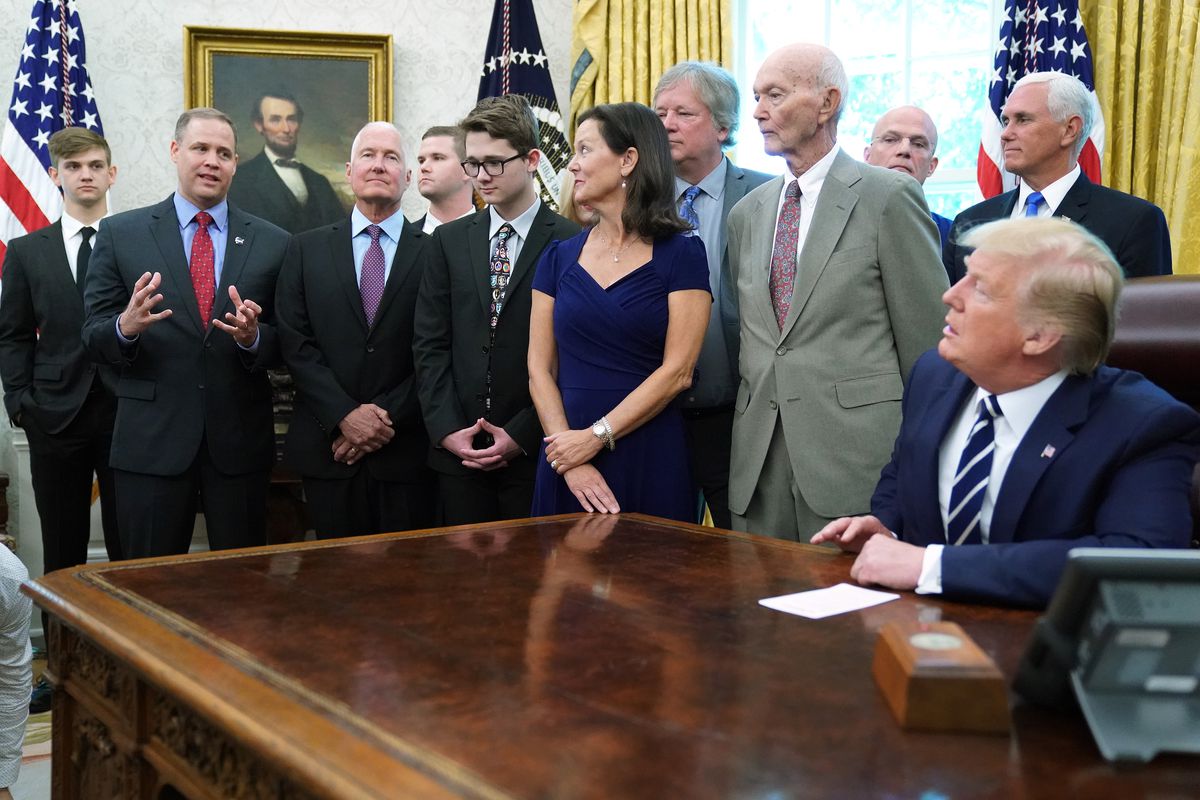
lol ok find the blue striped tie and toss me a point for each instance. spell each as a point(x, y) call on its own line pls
point(971, 479)
point(688, 208)
point(1032, 202)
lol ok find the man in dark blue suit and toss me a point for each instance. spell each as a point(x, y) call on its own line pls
point(905, 139)
point(1017, 444)
point(179, 298)
point(1047, 119)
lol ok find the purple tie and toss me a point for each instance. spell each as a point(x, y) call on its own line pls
point(783, 256)
point(370, 285)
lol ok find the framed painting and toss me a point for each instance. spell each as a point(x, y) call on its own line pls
point(297, 99)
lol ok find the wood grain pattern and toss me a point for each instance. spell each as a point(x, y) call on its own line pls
point(566, 657)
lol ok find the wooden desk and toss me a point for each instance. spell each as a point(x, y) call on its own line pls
point(566, 657)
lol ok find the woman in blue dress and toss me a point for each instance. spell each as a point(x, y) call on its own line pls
point(619, 313)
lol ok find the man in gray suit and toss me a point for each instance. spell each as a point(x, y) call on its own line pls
point(698, 105)
point(839, 284)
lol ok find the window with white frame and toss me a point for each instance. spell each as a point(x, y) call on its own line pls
point(936, 54)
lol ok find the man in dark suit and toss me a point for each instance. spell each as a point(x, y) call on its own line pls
point(905, 139)
point(1043, 151)
point(52, 389)
point(274, 185)
point(1017, 444)
point(345, 304)
point(472, 323)
point(179, 298)
point(698, 105)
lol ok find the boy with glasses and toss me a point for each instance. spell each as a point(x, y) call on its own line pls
point(472, 323)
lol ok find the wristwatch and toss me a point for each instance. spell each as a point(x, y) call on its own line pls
point(602, 430)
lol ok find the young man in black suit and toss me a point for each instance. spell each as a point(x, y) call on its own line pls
point(1047, 120)
point(472, 323)
point(179, 297)
point(52, 389)
point(345, 303)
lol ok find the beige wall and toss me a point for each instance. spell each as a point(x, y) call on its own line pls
point(135, 60)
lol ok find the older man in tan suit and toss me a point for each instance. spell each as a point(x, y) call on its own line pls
point(839, 283)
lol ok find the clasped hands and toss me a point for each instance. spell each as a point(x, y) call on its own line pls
point(462, 444)
point(139, 313)
point(883, 560)
point(569, 453)
point(364, 430)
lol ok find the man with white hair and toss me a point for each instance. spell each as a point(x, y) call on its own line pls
point(1017, 443)
point(839, 283)
point(1047, 120)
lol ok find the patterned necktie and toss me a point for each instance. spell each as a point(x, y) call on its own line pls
point(370, 283)
point(85, 254)
point(687, 209)
point(971, 479)
point(783, 257)
point(203, 267)
point(500, 269)
point(1032, 202)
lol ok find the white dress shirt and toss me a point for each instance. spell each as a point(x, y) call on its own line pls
point(1052, 195)
point(521, 226)
point(1018, 411)
point(289, 175)
point(810, 189)
point(73, 239)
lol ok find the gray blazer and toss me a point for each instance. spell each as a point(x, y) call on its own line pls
point(867, 303)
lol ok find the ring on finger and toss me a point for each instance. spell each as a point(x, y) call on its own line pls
point(554, 464)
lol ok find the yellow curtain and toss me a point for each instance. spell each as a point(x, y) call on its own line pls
point(1148, 82)
point(619, 48)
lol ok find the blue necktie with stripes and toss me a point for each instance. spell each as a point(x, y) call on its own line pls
point(971, 478)
point(687, 209)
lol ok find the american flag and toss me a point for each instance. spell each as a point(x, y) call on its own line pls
point(1036, 36)
point(52, 91)
point(515, 63)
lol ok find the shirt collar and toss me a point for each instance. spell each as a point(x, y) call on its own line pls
point(72, 226)
point(713, 184)
point(392, 226)
point(1053, 194)
point(1021, 407)
point(272, 156)
point(186, 212)
point(521, 224)
point(812, 179)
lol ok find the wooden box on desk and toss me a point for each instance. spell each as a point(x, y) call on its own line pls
point(935, 678)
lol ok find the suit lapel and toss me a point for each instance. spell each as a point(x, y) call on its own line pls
point(735, 187)
point(238, 240)
point(539, 236)
point(1051, 432)
point(762, 241)
point(935, 423)
point(402, 265)
point(834, 205)
point(341, 255)
point(164, 229)
point(57, 269)
point(479, 253)
point(1075, 201)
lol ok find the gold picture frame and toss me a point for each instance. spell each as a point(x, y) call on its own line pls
point(340, 80)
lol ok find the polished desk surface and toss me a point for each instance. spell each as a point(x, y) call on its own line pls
point(567, 657)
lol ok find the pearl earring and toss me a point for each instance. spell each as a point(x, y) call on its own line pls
point(622, 184)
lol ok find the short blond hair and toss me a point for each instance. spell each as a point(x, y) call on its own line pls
point(1072, 282)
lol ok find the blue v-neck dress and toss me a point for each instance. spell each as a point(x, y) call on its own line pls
point(609, 340)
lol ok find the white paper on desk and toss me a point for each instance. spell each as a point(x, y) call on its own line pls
point(821, 603)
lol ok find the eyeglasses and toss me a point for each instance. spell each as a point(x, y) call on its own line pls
point(915, 142)
point(493, 168)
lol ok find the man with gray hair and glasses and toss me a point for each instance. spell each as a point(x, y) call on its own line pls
point(1047, 120)
point(1017, 443)
point(698, 105)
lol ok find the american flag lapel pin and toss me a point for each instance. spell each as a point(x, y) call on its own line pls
point(1048, 451)
point(238, 240)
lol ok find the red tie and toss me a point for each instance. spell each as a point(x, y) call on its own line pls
point(203, 280)
point(783, 256)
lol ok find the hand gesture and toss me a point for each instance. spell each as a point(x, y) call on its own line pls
point(365, 430)
point(139, 314)
point(570, 448)
point(242, 322)
point(591, 490)
point(851, 533)
point(504, 448)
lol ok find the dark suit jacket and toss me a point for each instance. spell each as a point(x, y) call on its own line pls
point(944, 224)
point(180, 384)
point(451, 338)
point(258, 189)
point(737, 182)
point(47, 374)
point(338, 363)
point(1107, 463)
point(1135, 230)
